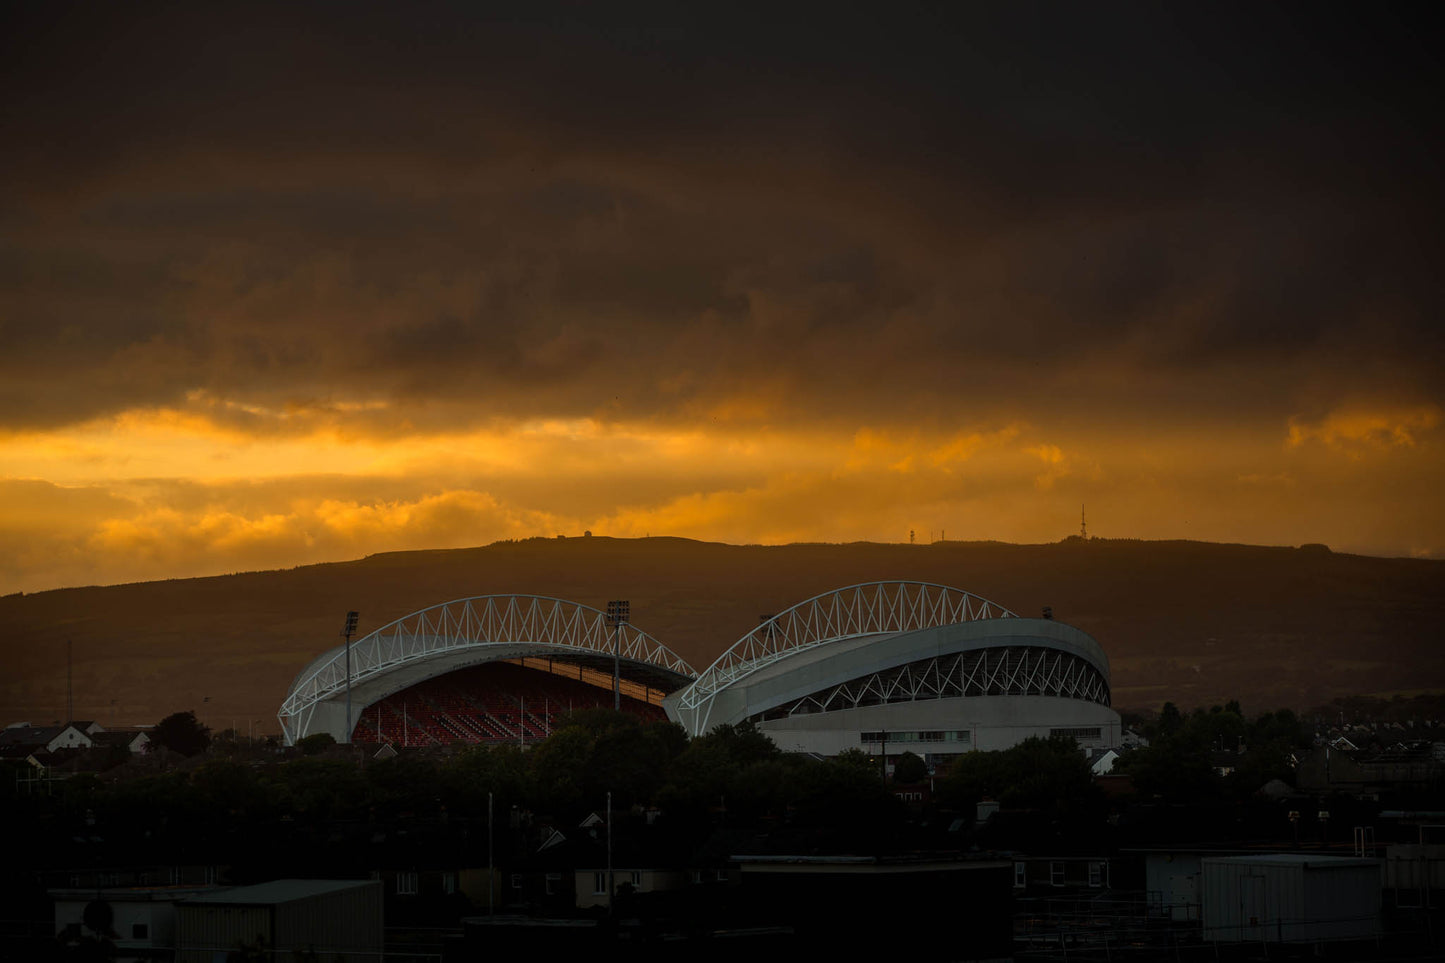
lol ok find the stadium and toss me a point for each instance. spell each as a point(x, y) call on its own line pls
point(894, 666)
point(496, 668)
point(883, 667)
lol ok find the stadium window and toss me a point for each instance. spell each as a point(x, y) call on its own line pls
point(1021, 875)
point(1056, 873)
point(1078, 732)
point(406, 884)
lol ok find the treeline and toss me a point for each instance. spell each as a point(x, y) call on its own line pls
point(235, 798)
point(734, 776)
point(1185, 752)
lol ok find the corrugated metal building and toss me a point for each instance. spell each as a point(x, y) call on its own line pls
point(334, 918)
point(1290, 898)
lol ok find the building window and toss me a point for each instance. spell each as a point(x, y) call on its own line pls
point(636, 878)
point(1098, 873)
point(175, 876)
point(1080, 733)
point(1021, 875)
point(210, 876)
point(1056, 873)
point(553, 882)
point(516, 881)
point(406, 884)
point(449, 883)
point(722, 875)
point(140, 931)
point(599, 884)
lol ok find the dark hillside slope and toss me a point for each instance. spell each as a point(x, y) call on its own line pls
point(1193, 622)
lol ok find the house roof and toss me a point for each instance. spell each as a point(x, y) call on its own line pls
point(280, 891)
point(1303, 860)
point(29, 735)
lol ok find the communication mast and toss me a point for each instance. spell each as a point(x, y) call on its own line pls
point(1083, 524)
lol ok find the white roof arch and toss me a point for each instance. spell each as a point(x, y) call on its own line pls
point(463, 631)
point(870, 608)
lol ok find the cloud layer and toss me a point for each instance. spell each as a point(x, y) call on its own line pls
point(463, 274)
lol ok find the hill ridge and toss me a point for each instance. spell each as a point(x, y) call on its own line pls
point(1194, 622)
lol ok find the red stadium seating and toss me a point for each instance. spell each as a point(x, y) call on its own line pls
point(499, 702)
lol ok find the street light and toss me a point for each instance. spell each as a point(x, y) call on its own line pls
point(347, 633)
point(617, 615)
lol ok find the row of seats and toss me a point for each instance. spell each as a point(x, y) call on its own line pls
point(494, 703)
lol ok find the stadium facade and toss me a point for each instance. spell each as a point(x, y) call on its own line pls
point(886, 666)
point(894, 666)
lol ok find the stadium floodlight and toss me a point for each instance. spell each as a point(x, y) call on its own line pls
point(618, 611)
point(347, 633)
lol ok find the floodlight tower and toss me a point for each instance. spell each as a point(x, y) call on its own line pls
point(347, 633)
point(617, 615)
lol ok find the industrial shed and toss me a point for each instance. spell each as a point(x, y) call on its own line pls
point(336, 919)
point(1290, 898)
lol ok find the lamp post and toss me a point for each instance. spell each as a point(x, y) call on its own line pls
point(618, 611)
point(347, 632)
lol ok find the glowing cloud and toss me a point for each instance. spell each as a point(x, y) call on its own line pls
point(1354, 431)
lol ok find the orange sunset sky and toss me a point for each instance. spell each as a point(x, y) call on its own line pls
point(294, 283)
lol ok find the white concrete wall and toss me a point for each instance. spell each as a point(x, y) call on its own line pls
point(994, 722)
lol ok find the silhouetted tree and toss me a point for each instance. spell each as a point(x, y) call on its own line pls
point(909, 768)
point(181, 732)
point(1045, 774)
point(316, 742)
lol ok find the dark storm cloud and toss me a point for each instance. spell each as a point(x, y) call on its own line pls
point(540, 213)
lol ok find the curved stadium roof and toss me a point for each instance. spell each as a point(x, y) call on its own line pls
point(877, 636)
point(463, 632)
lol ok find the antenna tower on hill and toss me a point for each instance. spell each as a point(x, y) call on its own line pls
point(1083, 524)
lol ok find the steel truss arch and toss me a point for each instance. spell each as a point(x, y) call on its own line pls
point(1011, 670)
point(870, 608)
point(479, 621)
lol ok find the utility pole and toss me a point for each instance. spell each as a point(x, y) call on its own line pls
point(611, 882)
point(491, 865)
